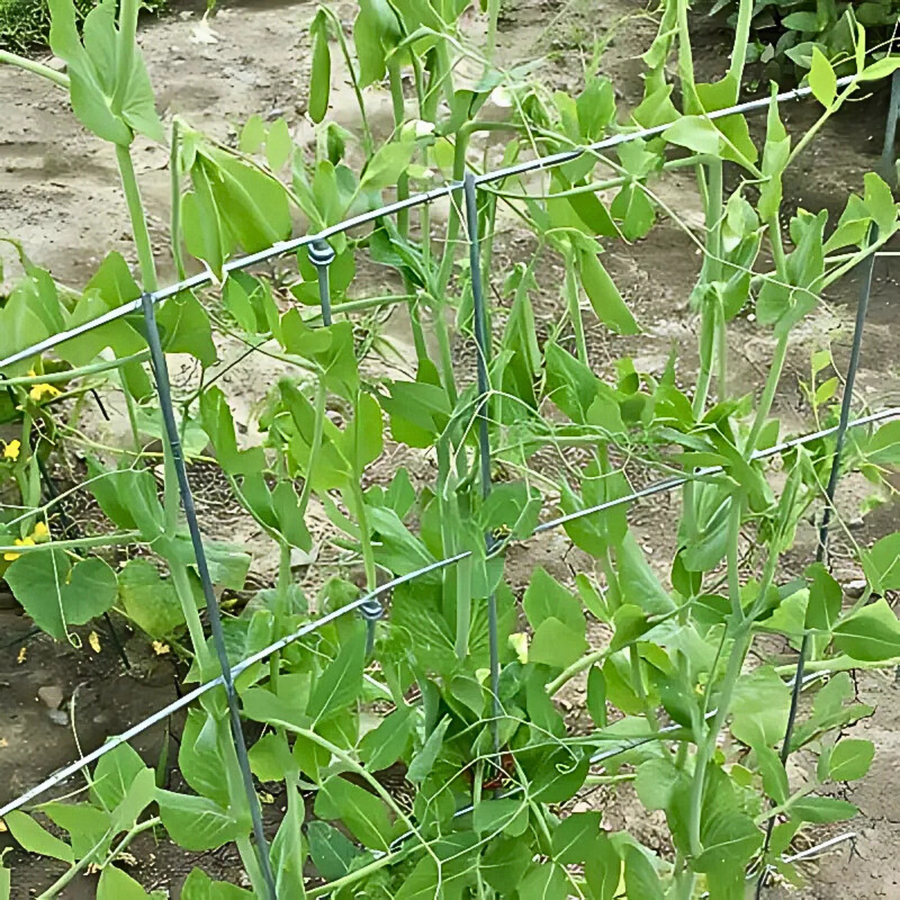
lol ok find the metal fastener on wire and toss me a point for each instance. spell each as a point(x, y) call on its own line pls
point(371, 610)
point(321, 255)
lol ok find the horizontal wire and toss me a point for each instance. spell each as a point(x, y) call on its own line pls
point(182, 702)
point(282, 247)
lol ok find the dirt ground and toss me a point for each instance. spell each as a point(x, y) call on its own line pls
point(59, 195)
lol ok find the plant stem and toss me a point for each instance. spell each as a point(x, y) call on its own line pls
point(128, 16)
point(574, 307)
point(71, 374)
point(185, 594)
point(689, 100)
point(99, 540)
point(768, 394)
point(175, 198)
point(741, 39)
point(29, 65)
point(138, 220)
point(575, 669)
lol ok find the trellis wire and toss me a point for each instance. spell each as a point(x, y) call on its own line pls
point(241, 667)
point(282, 247)
point(161, 376)
point(887, 155)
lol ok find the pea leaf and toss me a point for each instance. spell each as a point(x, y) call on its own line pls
point(57, 595)
point(822, 79)
point(825, 598)
point(332, 853)
point(197, 823)
point(341, 682)
point(576, 837)
point(881, 563)
point(118, 885)
point(850, 759)
point(605, 298)
point(199, 886)
point(34, 838)
point(363, 813)
point(641, 879)
point(150, 602)
point(871, 634)
point(384, 745)
point(822, 809)
point(423, 762)
point(320, 74)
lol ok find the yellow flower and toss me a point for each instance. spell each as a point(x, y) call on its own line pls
point(11, 450)
point(19, 542)
point(39, 391)
point(94, 641)
point(41, 532)
point(161, 649)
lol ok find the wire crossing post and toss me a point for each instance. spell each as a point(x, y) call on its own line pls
point(484, 349)
point(321, 255)
point(887, 157)
point(161, 376)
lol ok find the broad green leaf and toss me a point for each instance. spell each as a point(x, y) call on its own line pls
point(375, 31)
point(423, 762)
point(822, 809)
point(493, 816)
point(871, 634)
point(556, 644)
point(880, 202)
point(398, 549)
point(760, 707)
point(850, 759)
point(102, 101)
point(576, 837)
point(149, 601)
point(634, 210)
point(605, 298)
point(384, 745)
point(776, 152)
point(279, 145)
point(822, 79)
point(89, 828)
point(341, 682)
point(199, 886)
point(774, 776)
point(596, 696)
point(884, 447)
point(603, 870)
point(57, 595)
point(320, 73)
point(729, 840)
point(546, 597)
point(34, 838)
point(128, 497)
point(114, 775)
point(184, 327)
point(200, 757)
point(641, 879)
point(362, 812)
point(118, 885)
point(332, 854)
point(545, 881)
point(657, 781)
point(198, 823)
point(825, 596)
point(270, 757)
point(288, 853)
point(881, 563)
point(697, 133)
point(504, 863)
point(637, 581)
point(388, 163)
point(139, 796)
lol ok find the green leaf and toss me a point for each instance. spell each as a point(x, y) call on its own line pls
point(320, 73)
point(363, 813)
point(341, 682)
point(199, 886)
point(491, 816)
point(880, 202)
point(332, 854)
point(128, 497)
point(118, 885)
point(270, 757)
point(884, 447)
point(825, 596)
point(139, 796)
point(872, 634)
point(697, 133)
point(603, 870)
point(545, 881)
point(200, 757)
point(634, 209)
point(114, 775)
point(34, 838)
point(149, 601)
point(279, 145)
point(423, 762)
point(605, 298)
point(850, 759)
point(545, 597)
point(197, 823)
point(576, 837)
point(596, 696)
point(95, 84)
point(556, 644)
point(185, 328)
point(638, 583)
point(88, 827)
point(641, 879)
point(776, 153)
point(822, 79)
point(729, 840)
point(384, 745)
point(881, 563)
point(504, 863)
point(56, 595)
point(760, 707)
point(822, 809)
point(387, 164)
point(288, 852)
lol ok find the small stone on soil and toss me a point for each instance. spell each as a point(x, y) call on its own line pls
point(855, 589)
point(58, 717)
point(50, 695)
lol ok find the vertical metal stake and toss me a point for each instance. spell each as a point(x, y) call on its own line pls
point(321, 255)
point(484, 347)
point(161, 376)
point(887, 157)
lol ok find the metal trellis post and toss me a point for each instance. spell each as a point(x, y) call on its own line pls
point(161, 376)
point(887, 156)
point(484, 349)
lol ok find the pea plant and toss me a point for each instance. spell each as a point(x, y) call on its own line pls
point(455, 685)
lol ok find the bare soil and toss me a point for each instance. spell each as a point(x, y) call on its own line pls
point(59, 194)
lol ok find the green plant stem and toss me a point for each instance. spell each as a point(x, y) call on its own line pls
point(741, 39)
point(139, 828)
point(686, 59)
point(575, 669)
point(80, 372)
point(128, 16)
point(316, 444)
point(575, 308)
point(100, 540)
point(768, 394)
point(191, 613)
point(60, 79)
point(175, 197)
point(138, 220)
point(596, 780)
